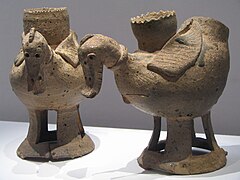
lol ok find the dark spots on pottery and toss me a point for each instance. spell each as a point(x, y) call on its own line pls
point(48, 94)
point(217, 89)
point(39, 78)
point(176, 110)
point(26, 54)
point(216, 45)
point(189, 115)
point(184, 165)
point(65, 124)
point(53, 69)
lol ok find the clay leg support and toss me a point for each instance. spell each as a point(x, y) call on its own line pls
point(71, 141)
point(207, 125)
point(175, 154)
point(34, 146)
point(153, 143)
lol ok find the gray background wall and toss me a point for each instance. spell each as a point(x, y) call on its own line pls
point(111, 17)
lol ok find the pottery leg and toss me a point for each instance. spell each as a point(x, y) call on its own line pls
point(177, 147)
point(34, 146)
point(179, 140)
point(153, 143)
point(207, 125)
point(71, 141)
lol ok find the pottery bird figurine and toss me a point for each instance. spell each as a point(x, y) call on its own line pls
point(176, 74)
point(46, 75)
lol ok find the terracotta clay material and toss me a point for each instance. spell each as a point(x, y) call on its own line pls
point(178, 75)
point(46, 75)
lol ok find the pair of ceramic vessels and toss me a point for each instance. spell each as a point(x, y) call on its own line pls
point(175, 74)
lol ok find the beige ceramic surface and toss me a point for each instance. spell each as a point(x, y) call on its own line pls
point(175, 74)
point(46, 76)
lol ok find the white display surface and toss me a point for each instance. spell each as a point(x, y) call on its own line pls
point(114, 157)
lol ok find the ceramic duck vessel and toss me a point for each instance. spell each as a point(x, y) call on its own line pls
point(46, 75)
point(178, 75)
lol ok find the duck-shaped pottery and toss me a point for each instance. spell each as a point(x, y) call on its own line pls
point(178, 75)
point(46, 76)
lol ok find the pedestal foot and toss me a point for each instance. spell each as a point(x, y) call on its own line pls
point(67, 142)
point(152, 160)
point(78, 147)
point(175, 155)
point(29, 151)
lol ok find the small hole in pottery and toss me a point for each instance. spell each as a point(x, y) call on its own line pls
point(26, 55)
point(91, 56)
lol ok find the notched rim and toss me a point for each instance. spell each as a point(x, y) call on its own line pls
point(152, 16)
point(44, 10)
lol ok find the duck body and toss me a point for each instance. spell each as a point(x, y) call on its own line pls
point(193, 94)
point(62, 84)
point(177, 75)
point(47, 75)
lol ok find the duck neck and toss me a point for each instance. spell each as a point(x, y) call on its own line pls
point(116, 53)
